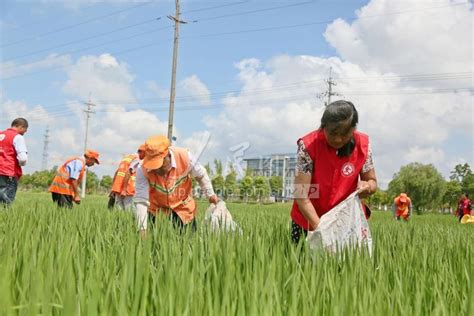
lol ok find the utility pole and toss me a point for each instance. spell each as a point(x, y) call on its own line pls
point(177, 22)
point(330, 84)
point(88, 112)
point(44, 163)
point(329, 93)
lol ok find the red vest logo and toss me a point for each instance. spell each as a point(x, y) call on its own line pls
point(347, 169)
point(2, 137)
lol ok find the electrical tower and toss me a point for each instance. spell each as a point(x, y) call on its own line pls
point(329, 93)
point(44, 163)
point(88, 112)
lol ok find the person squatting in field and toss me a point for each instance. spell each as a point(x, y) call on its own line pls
point(402, 207)
point(464, 206)
point(13, 155)
point(123, 185)
point(332, 162)
point(164, 185)
point(65, 186)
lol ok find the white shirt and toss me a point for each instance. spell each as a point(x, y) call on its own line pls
point(20, 148)
point(134, 164)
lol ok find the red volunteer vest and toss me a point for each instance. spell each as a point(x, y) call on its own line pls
point(335, 177)
point(9, 165)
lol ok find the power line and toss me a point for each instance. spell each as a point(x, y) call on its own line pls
point(289, 86)
point(115, 31)
point(74, 25)
point(271, 28)
point(254, 11)
point(269, 99)
point(86, 39)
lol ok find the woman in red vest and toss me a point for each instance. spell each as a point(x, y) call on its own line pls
point(332, 162)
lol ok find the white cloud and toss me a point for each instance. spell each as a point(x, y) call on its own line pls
point(12, 69)
point(103, 77)
point(425, 154)
point(192, 88)
point(428, 36)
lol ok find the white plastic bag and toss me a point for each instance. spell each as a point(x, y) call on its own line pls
point(219, 218)
point(344, 225)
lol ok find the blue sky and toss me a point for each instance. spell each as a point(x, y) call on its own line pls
point(248, 72)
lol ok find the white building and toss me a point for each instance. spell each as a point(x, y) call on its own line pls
point(282, 165)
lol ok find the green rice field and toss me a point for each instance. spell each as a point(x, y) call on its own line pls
point(90, 261)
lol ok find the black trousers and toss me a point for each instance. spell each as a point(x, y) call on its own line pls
point(177, 222)
point(8, 187)
point(62, 200)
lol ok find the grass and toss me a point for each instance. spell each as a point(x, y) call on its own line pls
point(90, 261)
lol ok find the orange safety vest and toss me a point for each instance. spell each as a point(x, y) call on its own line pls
point(62, 182)
point(123, 168)
point(402, 208)
point(173, 192)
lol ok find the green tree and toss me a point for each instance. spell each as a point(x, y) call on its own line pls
point(246, 188)
point(276, 185)
point(379, 198)
point(262, 188)
point(218, 166)
point(460, 172)
point(218, 184)
point(468, 185)
point(92, 183)
point(230, 184)
point(423, 184)
point(452, 193)
point(106, 182)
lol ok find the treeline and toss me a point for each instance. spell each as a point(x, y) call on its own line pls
point(41, 180)
point(427, 188)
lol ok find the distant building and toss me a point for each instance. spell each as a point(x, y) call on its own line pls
point(282, 165)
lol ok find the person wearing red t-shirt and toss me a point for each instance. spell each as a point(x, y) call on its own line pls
point(332, 162)
point(464, 206)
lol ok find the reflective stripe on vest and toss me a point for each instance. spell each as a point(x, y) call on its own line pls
point(124, 167)
point(173, 191)
point(62, 183)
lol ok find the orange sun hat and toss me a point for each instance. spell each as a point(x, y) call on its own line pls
point(92, 154)
point(403, 197)
point(156, 149)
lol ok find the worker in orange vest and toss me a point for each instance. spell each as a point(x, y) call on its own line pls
point(164, 184)
point(123, 185)
point(65, 186)
point(402, 207)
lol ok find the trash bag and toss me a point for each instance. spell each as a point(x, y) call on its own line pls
point(219, 218)
point(343, 226)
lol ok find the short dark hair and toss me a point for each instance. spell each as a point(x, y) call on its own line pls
point(20, 122)
point(339, 111)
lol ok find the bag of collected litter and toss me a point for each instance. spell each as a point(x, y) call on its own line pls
point(344, 225)
point(219, 218)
